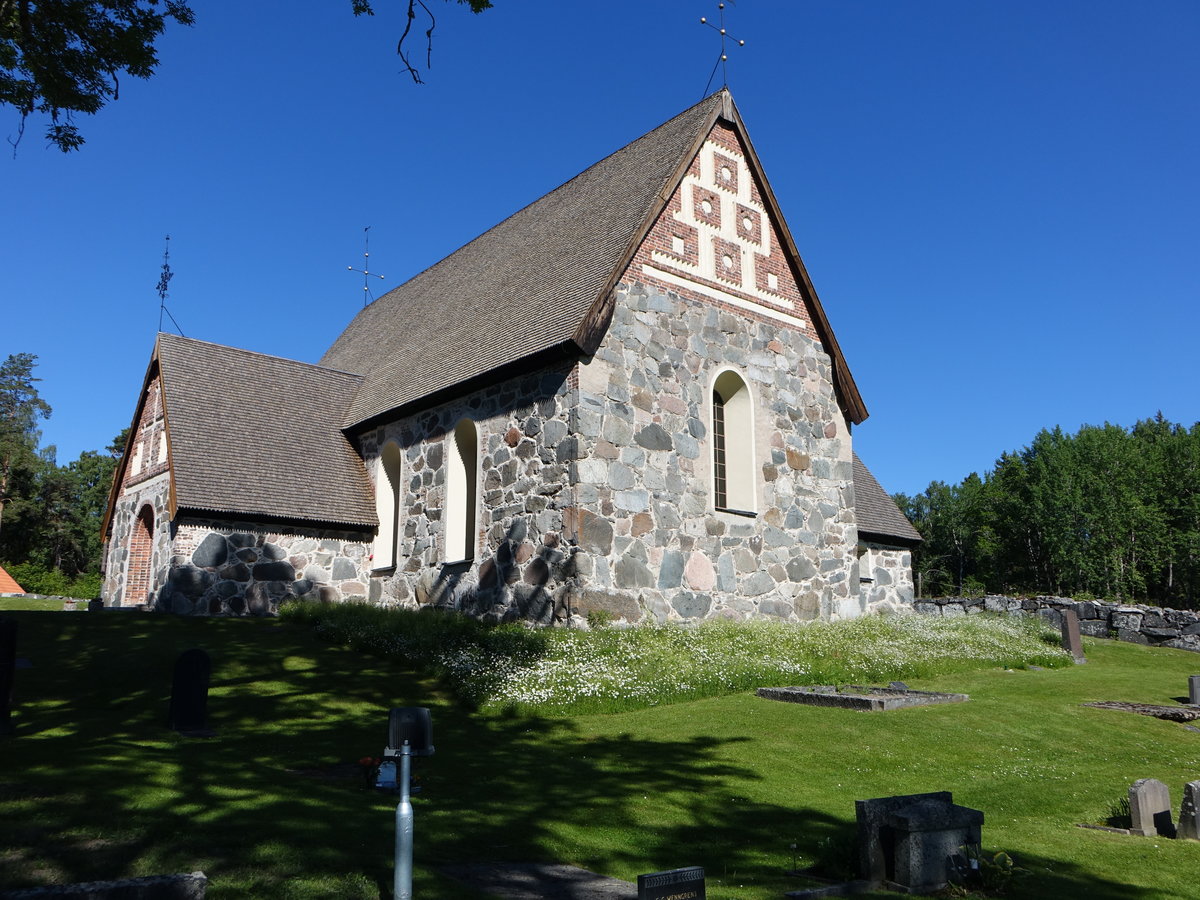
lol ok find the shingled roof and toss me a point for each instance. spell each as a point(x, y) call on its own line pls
point(259, 435)
point(878, 515)
point(541, 280)
point(8, 584)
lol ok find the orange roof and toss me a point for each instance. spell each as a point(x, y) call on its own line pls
point(8, 584)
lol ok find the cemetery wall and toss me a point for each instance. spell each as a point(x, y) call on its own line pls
point(1136, 623)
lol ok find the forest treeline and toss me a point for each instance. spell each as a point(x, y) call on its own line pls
point(1108, 512)
point(50, 515)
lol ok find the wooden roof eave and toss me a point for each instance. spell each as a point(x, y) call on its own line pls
point(591, 330)
point(153, 368)
point(848, 393)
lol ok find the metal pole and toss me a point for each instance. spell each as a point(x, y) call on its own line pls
point(402, 888)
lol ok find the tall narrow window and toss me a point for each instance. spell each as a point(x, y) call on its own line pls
point(462, 465)
point(733, 444)
point(387, 506)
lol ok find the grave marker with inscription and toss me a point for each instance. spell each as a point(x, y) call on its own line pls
point(1189, 828)
point(676, 884)
point(189, 693)
point(8, 672)
point(1071, 641)
point(1150, 808)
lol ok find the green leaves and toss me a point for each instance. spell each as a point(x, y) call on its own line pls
point(1108, 511)
point(62, 57)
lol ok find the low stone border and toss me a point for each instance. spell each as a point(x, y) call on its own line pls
point(1134, 623)
point(154, 887)
point(1170, 713)
point(856, 696)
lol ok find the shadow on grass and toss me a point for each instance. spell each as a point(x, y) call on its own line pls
point(93, 785)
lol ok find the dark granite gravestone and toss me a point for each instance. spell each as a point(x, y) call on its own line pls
point(909, 840)
point(8, 670)
point(1194, 690)
point(1188, 827)
point(1071, 642)
point(189, 694)
point(677, 884)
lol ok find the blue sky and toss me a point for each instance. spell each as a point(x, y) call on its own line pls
point(998, 202)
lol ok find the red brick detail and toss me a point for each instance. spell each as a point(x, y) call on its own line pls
point(141, 549)
point(729, 260)
point(659, 239)
point(725, 173)
point(149, 433)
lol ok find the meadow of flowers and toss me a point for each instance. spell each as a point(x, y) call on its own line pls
point(565, 671)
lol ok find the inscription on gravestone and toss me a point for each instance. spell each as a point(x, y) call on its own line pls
point(189, 693)
point(1188, 826)
point(1071, 642)
point(675, 884)
point(8, 672)
point(1150, 808)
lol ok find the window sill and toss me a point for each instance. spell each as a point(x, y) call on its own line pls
point(744, 513)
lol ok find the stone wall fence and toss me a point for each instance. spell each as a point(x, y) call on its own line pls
point(1135, 623)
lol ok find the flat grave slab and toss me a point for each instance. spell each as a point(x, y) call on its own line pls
point(541, 881)
point(860, 697)
point(1170, 713)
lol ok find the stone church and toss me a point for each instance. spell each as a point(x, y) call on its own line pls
point(625, 397)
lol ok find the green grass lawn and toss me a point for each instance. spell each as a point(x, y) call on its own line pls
point(94, 786)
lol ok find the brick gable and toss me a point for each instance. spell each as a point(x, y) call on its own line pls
point(715, 241)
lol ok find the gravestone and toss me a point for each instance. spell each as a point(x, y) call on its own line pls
point(676, 884)
point(1194, 690)
point(1188, 826)
point(909, 840)
point(8, 671)
point(1150, 808)
point(189, 693)
point(1071, 642)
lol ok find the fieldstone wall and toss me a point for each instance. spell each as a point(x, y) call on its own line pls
point(651, 544)
point(521, 568)
point(239, 568)
point(152, 492)
point(1135, 623)
point(885, 574)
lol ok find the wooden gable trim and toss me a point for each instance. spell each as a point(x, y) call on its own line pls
point(595, 323)
point(847, 389)
point(153, 369)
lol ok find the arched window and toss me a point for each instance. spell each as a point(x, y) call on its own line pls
point(141, 552)
point(387, 506)
point(462, 466)
point(733, 444)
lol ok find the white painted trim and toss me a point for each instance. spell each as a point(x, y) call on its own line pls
point(752, 462)
point(722, 296)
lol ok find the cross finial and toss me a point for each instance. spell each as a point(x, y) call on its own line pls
point(720, 29)
point(164, 279)
point(366, 273)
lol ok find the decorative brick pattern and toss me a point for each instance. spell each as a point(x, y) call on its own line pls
point(760, 284)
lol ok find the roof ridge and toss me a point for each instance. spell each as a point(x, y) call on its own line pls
point(243, 350)
point(722, 93)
